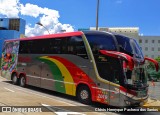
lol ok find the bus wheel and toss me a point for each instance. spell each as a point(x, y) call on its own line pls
point(84, 95)
point(22, 81)
point(14, 79)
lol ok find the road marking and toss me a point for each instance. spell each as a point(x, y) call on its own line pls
point(44, 96)
point(60, 111)
point(9, 89)
point(69, 113)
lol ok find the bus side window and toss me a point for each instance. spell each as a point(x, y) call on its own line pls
point(23, 49)
point(76, 46)
point(67, 45)
point(54, 46)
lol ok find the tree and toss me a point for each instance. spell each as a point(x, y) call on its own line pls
point(151, 70)
point(158, 59)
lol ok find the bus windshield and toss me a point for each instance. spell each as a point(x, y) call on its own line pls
point(124, 45)
point(137, 50)
point(101, 42)
point(129, 46)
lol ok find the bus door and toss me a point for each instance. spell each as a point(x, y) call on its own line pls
point(109, 69)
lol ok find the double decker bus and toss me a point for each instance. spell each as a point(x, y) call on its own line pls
point(92, 65)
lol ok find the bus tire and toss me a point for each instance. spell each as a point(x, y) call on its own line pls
point(22, 81)
point(84, 94)
point(14, 79)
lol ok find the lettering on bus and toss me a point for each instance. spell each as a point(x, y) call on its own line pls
point(102, 96)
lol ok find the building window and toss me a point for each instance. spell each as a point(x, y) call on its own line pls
point(152, 41)
point(158, 41)
point(146, 48)
point(146, 41)
point(14, 24)
point(159, 49)
point(152, 56)
point(140, 41)
point(152, 49)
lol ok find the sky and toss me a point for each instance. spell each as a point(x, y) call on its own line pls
point(70, 15)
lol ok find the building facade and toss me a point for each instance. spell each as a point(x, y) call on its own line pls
point(11, 28)
point(150, 46)
point(127, 31)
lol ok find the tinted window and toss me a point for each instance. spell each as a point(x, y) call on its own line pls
point(75, 45)
point(108, 68)
point(68, 45)
point(101, 42)
point(137, 50)
point(124, 44)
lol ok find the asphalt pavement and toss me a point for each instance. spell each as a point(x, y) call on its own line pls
point(154, 90)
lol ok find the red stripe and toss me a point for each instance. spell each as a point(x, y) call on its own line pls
point(67, 34)
point(77, 74)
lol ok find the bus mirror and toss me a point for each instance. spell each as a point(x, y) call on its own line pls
point(127, 58)
point(154, 62)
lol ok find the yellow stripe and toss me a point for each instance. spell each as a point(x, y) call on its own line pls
point(69, 86)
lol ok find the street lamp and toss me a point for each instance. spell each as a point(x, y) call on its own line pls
point(97, 14)
point(40, 24)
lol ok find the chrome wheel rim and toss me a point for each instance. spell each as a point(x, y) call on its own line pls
point(84, 94)
point(15, 79)
point(22, 81)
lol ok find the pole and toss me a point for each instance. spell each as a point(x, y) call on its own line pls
point(46, 29)
point(38, 23)
point(97, 14)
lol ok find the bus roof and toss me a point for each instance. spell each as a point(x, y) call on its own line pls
point(58, 35)
point(66, 34)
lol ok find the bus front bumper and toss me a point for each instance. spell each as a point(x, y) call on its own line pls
point(134, 101)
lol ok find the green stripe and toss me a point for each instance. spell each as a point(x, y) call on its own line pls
point(57, 75)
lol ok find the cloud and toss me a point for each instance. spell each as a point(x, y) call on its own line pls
point(30, 10)
point(48, 17)
point(141, 34)
point(9, 8)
